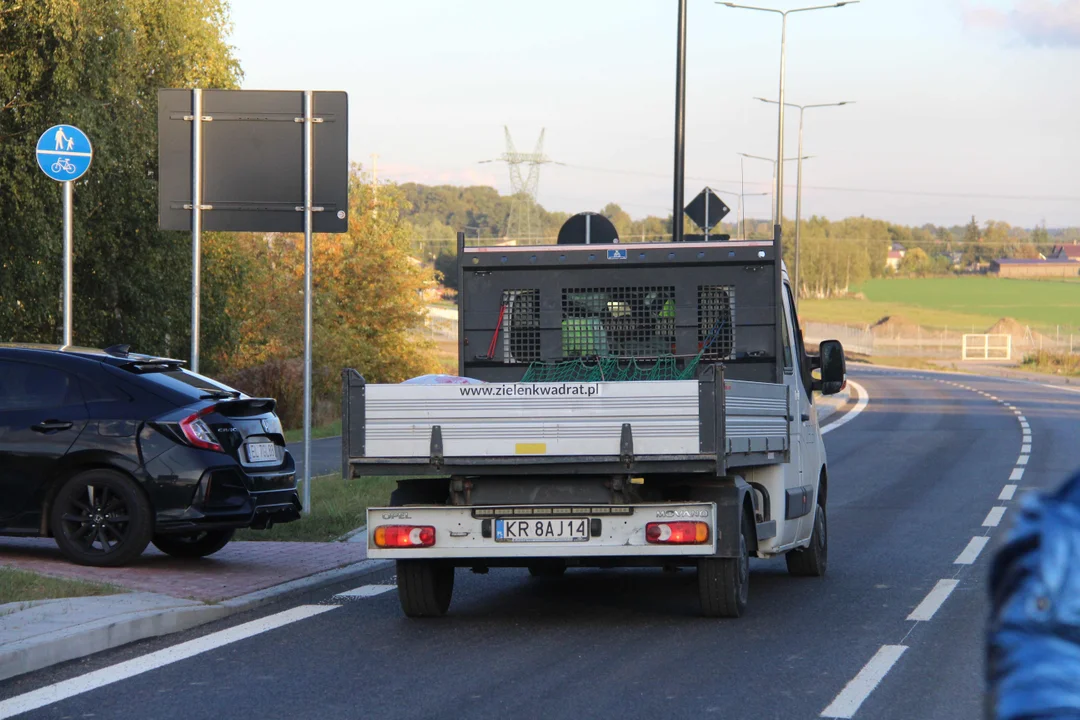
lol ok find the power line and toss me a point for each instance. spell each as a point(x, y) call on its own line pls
point(833, 188)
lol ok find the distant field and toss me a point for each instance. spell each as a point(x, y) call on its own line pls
point(956, 303)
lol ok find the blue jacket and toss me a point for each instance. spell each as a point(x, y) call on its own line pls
point(1033, 654)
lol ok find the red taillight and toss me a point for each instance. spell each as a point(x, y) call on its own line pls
point(677, 533)
point(404, 536)
point(198, 433)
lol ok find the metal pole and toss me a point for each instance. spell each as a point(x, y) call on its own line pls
point(680, 125)
point(196, 221)
point(308, 173)
point(780, 131)
point(798, 206)
point(706, 214)
point(67, 261)
point(742, 195)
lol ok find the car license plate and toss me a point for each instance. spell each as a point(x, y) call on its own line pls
point(548, 530)
point(261, 452)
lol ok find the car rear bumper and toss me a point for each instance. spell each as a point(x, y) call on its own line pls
point(229, 496)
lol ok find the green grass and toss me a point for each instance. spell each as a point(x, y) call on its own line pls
point(337, 506)
point(955, 302)
point(321, 431)
point(1053, 363)
point(911, 363)
point(23, 586)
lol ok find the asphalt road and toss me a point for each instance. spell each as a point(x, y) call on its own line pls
point(913, 482)
point(325, 456)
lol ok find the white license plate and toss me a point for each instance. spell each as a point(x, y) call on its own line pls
point(548, 530)
point(261, 452)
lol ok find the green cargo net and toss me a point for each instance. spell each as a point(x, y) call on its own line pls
point(612, 369)
point(587, 338)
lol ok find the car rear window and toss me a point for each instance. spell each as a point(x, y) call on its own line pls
point(185, 383)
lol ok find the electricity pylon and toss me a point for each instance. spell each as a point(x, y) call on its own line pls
point(524, 188)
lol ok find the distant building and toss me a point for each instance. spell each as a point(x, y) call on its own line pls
point(1066, 252)
point(1017, 268)
point(896, 254)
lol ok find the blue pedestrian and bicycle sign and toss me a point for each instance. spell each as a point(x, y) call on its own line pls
point(64, 153)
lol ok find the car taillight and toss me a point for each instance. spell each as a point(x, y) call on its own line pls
point(404, 536)
point(677, 533)
point(198, 433)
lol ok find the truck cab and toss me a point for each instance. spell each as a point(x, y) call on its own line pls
point(620, 405)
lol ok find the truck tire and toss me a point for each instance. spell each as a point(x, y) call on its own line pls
point(724, 583)
point(424, 587)
point(813, 560)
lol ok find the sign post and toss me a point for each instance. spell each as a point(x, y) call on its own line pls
point(255, 161)
point(64, 154)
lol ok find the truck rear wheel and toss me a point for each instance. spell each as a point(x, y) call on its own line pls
point(724, 583)
point(813, 560)
point(424, 587)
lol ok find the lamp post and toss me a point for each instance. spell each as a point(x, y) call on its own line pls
point(779, 202)
point(798, 181)
point(776, 221)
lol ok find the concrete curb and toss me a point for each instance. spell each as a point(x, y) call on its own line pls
point(20, 657)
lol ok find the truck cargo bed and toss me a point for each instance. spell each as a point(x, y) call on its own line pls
point(704, 425)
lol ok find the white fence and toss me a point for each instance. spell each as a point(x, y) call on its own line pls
point(987, 347)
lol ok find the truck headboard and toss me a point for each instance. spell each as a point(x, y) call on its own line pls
point(551, 303)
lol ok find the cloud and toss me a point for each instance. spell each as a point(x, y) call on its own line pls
point(1041, 23)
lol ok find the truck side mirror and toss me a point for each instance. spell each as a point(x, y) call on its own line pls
point(833, 368)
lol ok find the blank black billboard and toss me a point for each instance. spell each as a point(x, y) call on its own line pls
point(252, 160)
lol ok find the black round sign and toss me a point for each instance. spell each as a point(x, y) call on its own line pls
point(590, 227)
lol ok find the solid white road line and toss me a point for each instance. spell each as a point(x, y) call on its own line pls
point(136, 666)
point(993, 518)
point(1007, 492)
point(848, 701)
point(365, 591)
point(1017, 474)
point(1022, 460)
point(860, 405)
point(971, 552)
point(933, 600)
point(1025, 448)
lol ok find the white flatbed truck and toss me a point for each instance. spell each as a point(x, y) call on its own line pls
point(568, 455)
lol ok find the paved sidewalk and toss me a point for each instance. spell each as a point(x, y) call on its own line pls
point(239, 569)
point(169, 595)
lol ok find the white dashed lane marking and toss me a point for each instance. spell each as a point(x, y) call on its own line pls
point(1007, 492)
point(971, 552)
point(934, 600)
point(993, 518)
point(1017, 474)
point(848, 701)
point(365, 591)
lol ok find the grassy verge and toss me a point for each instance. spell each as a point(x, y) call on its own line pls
point(22, 586)
point(337, 506)
point(1053, 363)
point(321, 431)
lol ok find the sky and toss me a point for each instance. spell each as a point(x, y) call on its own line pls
point(959, 107)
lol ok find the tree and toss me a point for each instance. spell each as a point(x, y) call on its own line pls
point(619, 218)
point(98, 64)
point(916, 263)
point(367, 296)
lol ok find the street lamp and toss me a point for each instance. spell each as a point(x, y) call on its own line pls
point(773, 161)
point(798, 181)
point(779, 202)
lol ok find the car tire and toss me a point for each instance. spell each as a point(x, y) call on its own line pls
point(101, 518)
point(547, 569)
point(724, 583)
point(193, 545)
point(812, 561)
point(424, 587)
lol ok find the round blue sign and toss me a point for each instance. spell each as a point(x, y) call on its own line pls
point(64, 152)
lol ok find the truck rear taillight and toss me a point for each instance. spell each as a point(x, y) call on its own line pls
point(198, 433)
point(404, 536)
point(677, 533)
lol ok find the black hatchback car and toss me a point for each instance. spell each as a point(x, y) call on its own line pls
point(108, 450)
